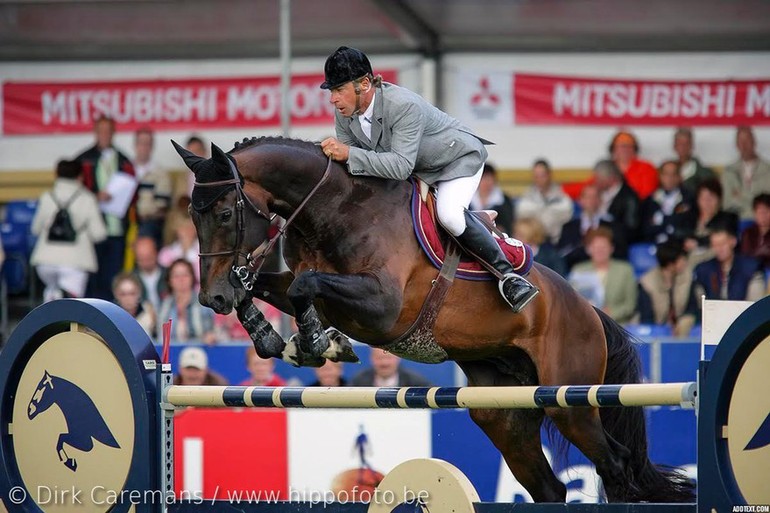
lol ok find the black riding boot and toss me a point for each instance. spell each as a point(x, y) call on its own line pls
point(476, 238)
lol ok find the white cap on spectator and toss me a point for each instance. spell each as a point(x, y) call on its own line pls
point(193, 357)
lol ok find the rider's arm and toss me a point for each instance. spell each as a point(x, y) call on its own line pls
point(399, 162)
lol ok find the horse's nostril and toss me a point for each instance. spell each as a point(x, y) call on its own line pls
point(218, 302)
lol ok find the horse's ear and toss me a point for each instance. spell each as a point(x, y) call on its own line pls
point(190, 159)
point(219, 156)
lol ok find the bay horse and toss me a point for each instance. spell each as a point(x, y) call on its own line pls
point(355, 264)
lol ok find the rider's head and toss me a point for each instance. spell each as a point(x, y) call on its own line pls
point(348, 76)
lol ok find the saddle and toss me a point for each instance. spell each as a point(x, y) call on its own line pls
point(445, 254)
point(434, 240)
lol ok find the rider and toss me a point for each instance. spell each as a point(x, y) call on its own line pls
point(387, 131)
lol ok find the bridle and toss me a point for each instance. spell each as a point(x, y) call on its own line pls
point(247, 274)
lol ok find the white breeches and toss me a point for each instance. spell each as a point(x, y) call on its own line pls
point(452, 198)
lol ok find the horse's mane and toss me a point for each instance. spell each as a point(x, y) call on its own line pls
point(274, 139)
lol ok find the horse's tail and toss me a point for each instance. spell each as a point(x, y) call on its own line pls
point(626, 425)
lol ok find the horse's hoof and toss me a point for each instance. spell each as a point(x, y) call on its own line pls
point(340, 348)
point(71, 464)
point(295, 357)
point(312, 338)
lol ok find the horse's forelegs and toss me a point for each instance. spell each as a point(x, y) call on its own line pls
point(67, 438)
point(271, 288)
point(363, 297)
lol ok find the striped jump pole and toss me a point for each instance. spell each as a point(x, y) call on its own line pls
point(500, 398)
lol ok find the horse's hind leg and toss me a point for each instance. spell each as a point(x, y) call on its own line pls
point(582, 426)
point(516, 434)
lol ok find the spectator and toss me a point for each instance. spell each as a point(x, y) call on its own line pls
point(184, 246)
point(696, 226)
point(692, 171)
point(530, 231)
point(728, 275)
point(639, 174)
point(194, 369)
point(2, 255)
point(666, 294)
point(755, 240)
point(608, 283)
point(546, 201)
point(154, 193)
point(669, 200)
point(190, 319)
point(329, 375)
point(127, 290)
point(261, 370)
point(387, 372)
point(746, 178)
point(63, 266)
point(618, 199)
point(100, 163)
point(489, 196)
point(571, 246)
point(151, 275)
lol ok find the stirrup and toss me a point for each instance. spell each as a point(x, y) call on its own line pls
point(526, 291)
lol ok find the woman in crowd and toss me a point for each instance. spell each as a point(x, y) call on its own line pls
point(63, 257)
point(696, 225)
point(127, 290)
point(189, 320)
point(608, 283)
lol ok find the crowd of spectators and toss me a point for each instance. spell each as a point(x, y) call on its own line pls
point(706, 233)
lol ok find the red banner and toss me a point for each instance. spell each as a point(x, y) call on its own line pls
point(183, 104)
point(553, 100)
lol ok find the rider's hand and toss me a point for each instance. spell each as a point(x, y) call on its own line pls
point(103, 196)
point(335, 149)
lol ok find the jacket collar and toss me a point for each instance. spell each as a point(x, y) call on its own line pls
point(377, 116)
point(355, 127)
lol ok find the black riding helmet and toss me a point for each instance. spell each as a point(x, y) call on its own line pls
point(345, 65)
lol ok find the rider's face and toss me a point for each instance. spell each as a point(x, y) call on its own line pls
point(344, 99)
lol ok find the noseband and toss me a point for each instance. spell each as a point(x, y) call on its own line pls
point(247, 274)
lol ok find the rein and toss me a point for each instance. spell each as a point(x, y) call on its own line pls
point(247, 274)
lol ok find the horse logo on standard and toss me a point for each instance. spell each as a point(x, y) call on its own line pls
point(84, 422)
point(748, 426)
point(72, 431)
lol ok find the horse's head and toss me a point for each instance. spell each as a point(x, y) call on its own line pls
point(230, 225)
point(43, 397)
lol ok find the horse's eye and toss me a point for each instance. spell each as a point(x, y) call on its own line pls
point(225, 216)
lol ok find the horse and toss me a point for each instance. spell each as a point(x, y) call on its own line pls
point(355, 264)
point(84, 422)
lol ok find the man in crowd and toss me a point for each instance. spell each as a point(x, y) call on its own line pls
point(387, 372)
point(100, 163)
point(746, 178)
point(692, 171)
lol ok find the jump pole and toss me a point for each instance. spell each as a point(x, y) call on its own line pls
point(497, 398)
